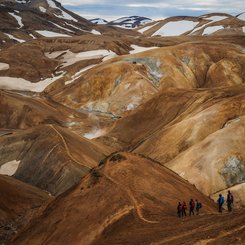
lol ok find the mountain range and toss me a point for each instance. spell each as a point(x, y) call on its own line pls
point(106, 126)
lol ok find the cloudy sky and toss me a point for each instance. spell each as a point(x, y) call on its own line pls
point(155, 9)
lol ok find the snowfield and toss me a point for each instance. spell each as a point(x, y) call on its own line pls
point(71, 58)
point(51, 34)
point(211, 29)
point(175, 28)
point(14, 83)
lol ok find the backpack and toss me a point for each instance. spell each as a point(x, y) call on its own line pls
point(200, 205)
point(230, 198)
point(192, 204)
point(222, 200)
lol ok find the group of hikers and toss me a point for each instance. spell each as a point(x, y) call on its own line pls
point(229, 201)
point(193, 206)
point(196, 205)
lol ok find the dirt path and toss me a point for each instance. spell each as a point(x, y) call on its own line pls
point(137, 206)
point(66, 147)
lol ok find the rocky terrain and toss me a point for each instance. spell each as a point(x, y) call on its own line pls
point(103, 130)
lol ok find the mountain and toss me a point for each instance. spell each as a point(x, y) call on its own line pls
point(133, 79)
point(209, 24)
point(99, 21)
point(120, 179)
point(130, 22)
point(103, 131)
point(26, 20)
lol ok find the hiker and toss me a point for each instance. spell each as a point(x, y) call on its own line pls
point(183, 208)
point(198, 206)
point(179, 209)
point(191, 207)
point(229, 201)
point(220, 202)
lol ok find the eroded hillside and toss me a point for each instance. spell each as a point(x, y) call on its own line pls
point(116, 126)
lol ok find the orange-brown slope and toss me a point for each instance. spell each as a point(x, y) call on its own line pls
point(126, 82)
point(19, 202)
point(203, 117)
point(126, 189)
point(198, 134)
point(205, 229)
point(22, 111)
point(169, 106)
point(51, 158)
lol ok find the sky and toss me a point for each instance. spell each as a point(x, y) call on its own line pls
point(155, 9)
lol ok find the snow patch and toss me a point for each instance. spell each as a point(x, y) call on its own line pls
point(63, 14)
point(147, 28)
point(95, 32)
point(14, 83)
point(22, 1)
point(18, 19)
point(32, 36)
point(4, 66)
point(9, 168)
point(76, 27)
point(138, 49)
point(14, 38)
point(52, 4)
point(111, 55)
point(78, 74)
point(51, 34)
point(71, 58)
point(61, 27)
point(42, 9)
point(211, 29)
point(175, 28)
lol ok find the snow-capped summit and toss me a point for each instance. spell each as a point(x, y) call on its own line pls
point(130, 22)
point(99, 21)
